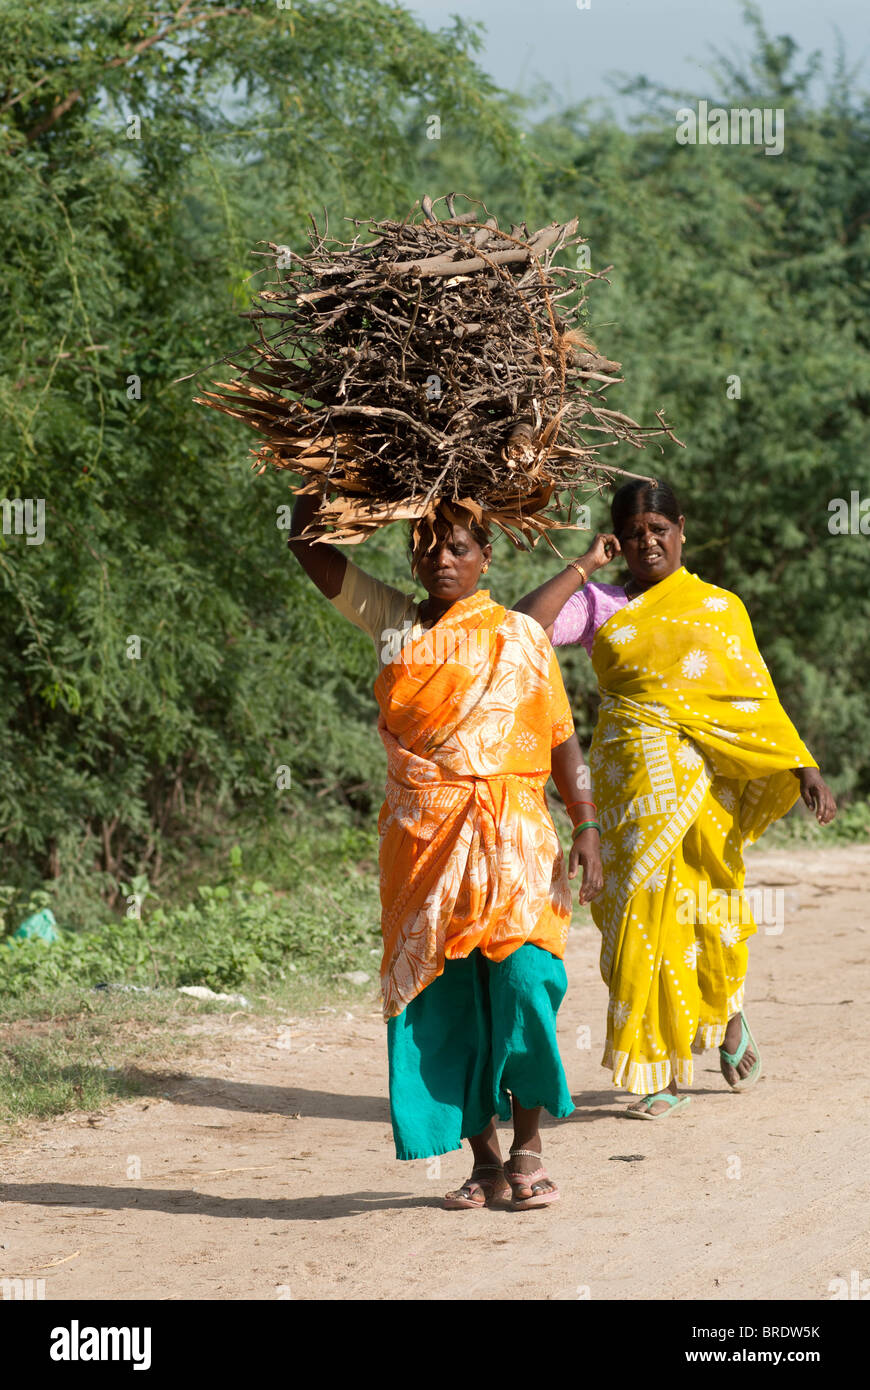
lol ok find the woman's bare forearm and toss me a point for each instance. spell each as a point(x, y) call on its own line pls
point(324, 564)
point(571, 775)
point(545, 603)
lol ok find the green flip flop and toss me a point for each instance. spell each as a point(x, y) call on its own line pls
point(674, 1103)
point(735, 1058)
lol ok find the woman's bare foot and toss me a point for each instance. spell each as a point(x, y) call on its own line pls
point(658, 1105)
point(731, 1042)
point(486, 1184)
point(527, 1136)
point(528, 1163)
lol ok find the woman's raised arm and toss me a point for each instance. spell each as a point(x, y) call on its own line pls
point(324, 564)
point(545, 603)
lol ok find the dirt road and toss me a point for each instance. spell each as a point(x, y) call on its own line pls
point(266, 1171)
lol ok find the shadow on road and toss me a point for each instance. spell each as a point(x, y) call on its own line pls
point(189, 1202)
point(221, 1093)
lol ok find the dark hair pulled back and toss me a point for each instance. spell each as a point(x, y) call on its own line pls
point(638, 496)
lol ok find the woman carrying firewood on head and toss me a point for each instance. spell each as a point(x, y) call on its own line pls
point(694, 757)
point(474, 892)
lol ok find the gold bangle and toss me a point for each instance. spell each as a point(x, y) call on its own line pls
point(576, 565)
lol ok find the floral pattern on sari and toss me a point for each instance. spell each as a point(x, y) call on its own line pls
point(469, 856)
point(692, 758)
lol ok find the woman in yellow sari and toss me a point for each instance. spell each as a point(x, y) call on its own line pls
point(693, 757)
point(474, 892)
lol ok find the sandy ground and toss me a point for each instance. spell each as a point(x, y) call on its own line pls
point(266, 1171)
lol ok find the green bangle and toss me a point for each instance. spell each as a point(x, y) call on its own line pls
point(587, 825)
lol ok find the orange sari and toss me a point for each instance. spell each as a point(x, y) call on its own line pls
point(469, 856)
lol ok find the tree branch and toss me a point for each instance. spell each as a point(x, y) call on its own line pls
point(61, 108)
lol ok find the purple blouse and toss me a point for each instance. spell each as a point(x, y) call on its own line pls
point(585, 611)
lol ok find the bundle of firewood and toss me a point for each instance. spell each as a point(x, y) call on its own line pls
point(424, 365)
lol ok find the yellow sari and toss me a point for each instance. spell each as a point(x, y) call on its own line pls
point(691, 759)
point(469, 856)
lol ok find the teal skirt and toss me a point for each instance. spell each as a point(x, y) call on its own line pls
point(483, 1031)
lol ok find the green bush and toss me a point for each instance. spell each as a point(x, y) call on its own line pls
point(234, 933)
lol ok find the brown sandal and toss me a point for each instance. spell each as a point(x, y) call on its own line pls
point(462, 1199)
point(531, 1180)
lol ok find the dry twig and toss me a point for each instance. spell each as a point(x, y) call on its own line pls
point(423, 364)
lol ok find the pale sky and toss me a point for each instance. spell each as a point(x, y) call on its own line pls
point(666, 40)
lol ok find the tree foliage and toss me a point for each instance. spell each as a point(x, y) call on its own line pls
point(731, 263)
point(144, 150)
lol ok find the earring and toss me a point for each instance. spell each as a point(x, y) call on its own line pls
point(485, 568)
